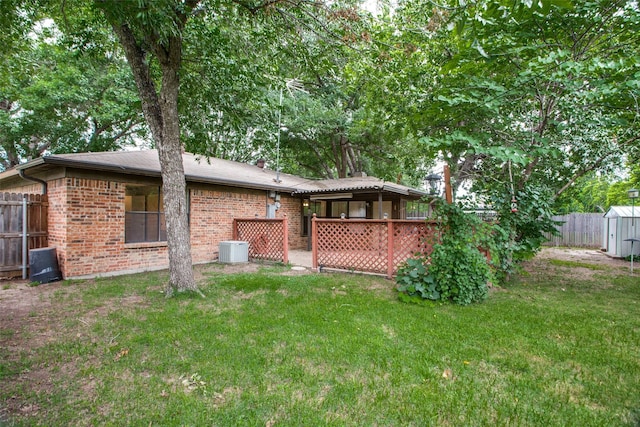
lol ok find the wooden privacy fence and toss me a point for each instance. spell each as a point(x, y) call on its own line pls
point(268, 238)
point(23, 226)
point(368, 245)
point(578, 230)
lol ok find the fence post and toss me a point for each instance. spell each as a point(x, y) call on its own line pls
point(24, 237)
point(285, 239)
point(448, 192)
point(390, 254)
point(314, 243)
point(234, 232)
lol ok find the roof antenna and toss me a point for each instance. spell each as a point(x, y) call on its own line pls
point(278, 140)
point(292, 86)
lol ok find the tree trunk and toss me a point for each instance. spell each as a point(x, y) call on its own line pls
point(174, 184)
point(161, 114)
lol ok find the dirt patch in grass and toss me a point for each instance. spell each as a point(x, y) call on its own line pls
point(26, 311)
point(585, 264)
point(32, 316)
point(586, 256)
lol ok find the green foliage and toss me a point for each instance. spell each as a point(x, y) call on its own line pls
point(617, 192)
point(588, 194)
point(597, 193)
point(456, 270)
point(61, 93)
point(518, 235)
point(414, 278)
point(541, 87)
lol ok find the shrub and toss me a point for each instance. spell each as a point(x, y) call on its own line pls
point(456, 270)
point(519, 235)
point(413, 278)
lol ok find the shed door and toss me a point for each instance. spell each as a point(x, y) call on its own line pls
point(613, 236)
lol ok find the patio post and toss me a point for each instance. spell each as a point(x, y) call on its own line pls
point(390, 245)
point(285, 239)
point(447, 184)
point(314, 243)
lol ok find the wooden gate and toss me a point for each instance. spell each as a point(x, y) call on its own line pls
point(14, 223)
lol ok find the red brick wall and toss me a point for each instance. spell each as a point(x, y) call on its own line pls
point(57, 219)
point(87, 217)
point(212, 213)
point(213, 210)
point(93, 217)
point(87, 223)
point(293, 208)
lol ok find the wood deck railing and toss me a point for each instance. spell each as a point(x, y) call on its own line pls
point(368, 245)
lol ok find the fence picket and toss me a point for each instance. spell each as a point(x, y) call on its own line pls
point(11, 222)
point(578, 230)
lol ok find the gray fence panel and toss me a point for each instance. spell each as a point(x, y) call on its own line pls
point(578, 230)
point(11, 229)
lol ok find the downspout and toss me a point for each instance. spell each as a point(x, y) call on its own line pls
point(33, 179)
point(25, 218)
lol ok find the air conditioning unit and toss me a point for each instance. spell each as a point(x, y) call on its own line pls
point(233, 251)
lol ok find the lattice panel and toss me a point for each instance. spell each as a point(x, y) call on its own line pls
point(411, 237)
point(358, 246)
point(265, 237)
point(363, 245)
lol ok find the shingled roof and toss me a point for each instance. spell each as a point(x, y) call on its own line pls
point(213, 171)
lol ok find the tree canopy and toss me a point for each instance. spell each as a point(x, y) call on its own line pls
point(525, 101)
point(60, 96)
point(538, 97)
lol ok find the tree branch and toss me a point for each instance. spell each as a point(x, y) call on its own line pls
point(142, 76)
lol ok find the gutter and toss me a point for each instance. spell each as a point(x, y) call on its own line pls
point(33, 179)
point(95, 166)
point(238, 184)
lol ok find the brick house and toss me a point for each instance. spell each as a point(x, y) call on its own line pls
point(105, 209)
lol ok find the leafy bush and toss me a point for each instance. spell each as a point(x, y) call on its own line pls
point(519, 235)
point(413, 278)
point(456, 270)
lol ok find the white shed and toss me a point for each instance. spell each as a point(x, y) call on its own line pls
point(618, 226)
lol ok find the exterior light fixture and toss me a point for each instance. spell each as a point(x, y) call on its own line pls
point(432, 183)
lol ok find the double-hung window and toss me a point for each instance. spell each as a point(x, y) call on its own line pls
point(144, 214)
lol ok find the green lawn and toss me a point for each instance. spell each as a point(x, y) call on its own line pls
point(555, 347)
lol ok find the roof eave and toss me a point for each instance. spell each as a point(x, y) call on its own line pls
point(55, 161)
point(242, 184)
point(334, 190)
point(409, 192)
